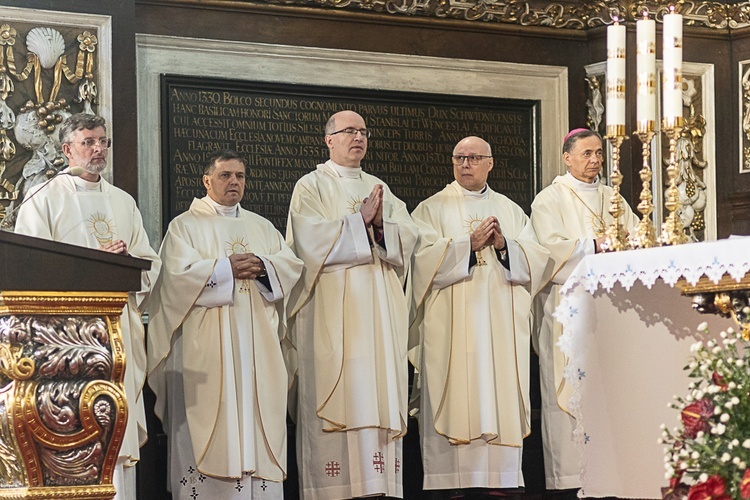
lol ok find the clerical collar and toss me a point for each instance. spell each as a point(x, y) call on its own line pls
point(482, 193)
point(583, 186)
point(347, 172)
point(223, 210)
point(84, 185)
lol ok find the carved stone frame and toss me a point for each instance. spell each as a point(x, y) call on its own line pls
point(303, 65)
point(103, 26)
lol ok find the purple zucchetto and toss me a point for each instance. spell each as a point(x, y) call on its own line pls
point(574, 132)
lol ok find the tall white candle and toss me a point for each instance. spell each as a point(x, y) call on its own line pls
point(672, 75)
point(615, 76)
point(646, 68)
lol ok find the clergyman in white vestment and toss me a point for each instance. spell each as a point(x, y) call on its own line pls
point(474, 270)
point(215, 360)
point(349, 322)
point(569, 218)
point(90, 212)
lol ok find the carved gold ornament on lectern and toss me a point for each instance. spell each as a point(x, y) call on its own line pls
point(62, 404)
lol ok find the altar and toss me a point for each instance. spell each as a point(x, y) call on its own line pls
point(627, 332)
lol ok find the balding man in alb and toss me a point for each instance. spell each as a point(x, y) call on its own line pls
point(349, 322)
point(475, 270)
point(570, 218)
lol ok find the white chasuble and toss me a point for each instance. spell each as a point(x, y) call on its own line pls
point(93, 218)
point(473, 326)
point(222, 365)
point(349, 323)
point(566, 216)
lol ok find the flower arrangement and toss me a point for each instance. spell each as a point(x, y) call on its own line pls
point(710, 450)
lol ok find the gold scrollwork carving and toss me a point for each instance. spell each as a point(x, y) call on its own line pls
point(13, 365)
point(565, 14)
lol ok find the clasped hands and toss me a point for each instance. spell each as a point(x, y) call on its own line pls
point(117, 246)
point(487, 233)
point(371, 208)
point(247, 266)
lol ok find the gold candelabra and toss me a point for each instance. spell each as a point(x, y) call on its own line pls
point(616, 236)
point(672, 230)
point(645, 233)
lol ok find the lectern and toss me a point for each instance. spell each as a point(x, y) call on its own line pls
point(62, 402)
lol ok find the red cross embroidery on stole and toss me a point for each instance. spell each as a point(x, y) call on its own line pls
point(398, 465)
point(333, 469)
point(378, 463)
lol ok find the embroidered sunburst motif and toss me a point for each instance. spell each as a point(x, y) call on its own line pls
point(471, 223)
point(235, 245)
point(102, 228)
point(354, 204)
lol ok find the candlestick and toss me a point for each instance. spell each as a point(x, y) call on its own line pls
point(645, 234)
point(673, 231)
point(616, 239)
point(616, 80)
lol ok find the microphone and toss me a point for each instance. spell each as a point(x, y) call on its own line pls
point(7, 222)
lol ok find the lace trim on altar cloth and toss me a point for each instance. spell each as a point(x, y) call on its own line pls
point(690, 261)
point(603, 271)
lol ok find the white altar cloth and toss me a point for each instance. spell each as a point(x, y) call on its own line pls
point(627, 335)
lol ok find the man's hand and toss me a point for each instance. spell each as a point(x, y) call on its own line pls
point(598, 243)
point(498, 240)
point(117, 246)
point(246, 266)
point(483, 235)
point(371, 208)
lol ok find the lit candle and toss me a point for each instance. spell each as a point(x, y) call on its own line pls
point(646, 78)
point(672, 74)
point(616, 79)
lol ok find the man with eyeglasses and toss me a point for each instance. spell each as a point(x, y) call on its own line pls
point(475, 271)
point(349, 322)
point(88, 211)
point(569, 217)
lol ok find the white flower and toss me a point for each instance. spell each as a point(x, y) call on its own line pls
point(703, 478)
point(742, 465)
point(729, 404)
point(723, 335)
point(736, 460)
point(695, 455)
point(693, 365)
point(746, 444)
point(726, 457)
point(698, 394)
point(696, 347)
point(710, 343)
point(740, 362)
point(745, 310)
point(716, 350)
point(683, 466)
point(702, 327)
point(719, 429)
point(735, 442)
point(717, 410)
point(732, 385)
point(724, 417)
point(660, 441)
point(735, 400)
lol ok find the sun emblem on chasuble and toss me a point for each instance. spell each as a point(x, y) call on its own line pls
point(237, 245)
point(353, 204)
point(471, 224)
point(102, 228)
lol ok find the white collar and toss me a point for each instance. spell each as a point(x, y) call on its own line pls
point(481, 194)
point(583, 186)
point(84, 185)
point(223, 210)
point(346, 172)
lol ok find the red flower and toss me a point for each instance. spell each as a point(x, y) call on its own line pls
point(718, 380)
point(712, 489)
point(745, 485)
point(695, 417)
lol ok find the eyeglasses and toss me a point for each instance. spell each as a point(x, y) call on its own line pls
point(474, 160)
point(353, 132)
point(90, 143)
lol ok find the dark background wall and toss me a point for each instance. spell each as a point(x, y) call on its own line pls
point(370, 31)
